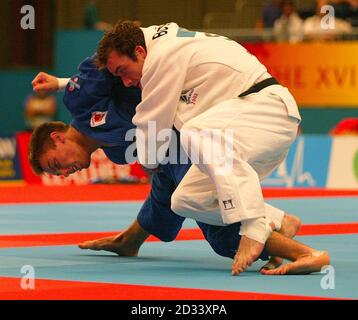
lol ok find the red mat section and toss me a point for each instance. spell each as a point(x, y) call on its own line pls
point(35, 240)
point(306, 192)
point(39, 194)
point(10, 289)
point(328, 229)
point(89, 193)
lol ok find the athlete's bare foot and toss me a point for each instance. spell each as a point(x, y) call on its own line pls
point(116, 244)
point(290, 225)
point(303, 265)
point(249, 251)
point(289, 228)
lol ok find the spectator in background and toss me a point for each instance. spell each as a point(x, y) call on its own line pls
point(271, 12)
point(38, 109)
point(342, 8)
point(354, 13)
point(348, 126)
point(313, 30)
point(347, 10)
point(92, 19)
point(289, 26)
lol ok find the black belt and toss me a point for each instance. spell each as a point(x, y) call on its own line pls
point(259, 86)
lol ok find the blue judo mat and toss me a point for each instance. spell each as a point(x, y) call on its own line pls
point(179, 264)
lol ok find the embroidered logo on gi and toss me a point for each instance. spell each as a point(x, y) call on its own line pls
point(228, 205)
point(98, 118)
point(74, 85)
point(190, 97)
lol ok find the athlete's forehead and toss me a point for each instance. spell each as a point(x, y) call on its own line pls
point(117, 62)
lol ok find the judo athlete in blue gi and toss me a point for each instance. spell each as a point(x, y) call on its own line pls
point(101, 109)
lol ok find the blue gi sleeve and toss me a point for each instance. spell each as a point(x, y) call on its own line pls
point(155, 216)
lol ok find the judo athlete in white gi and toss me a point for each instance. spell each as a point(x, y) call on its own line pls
point(198, 82)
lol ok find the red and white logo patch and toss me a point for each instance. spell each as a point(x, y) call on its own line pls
point(98, 118)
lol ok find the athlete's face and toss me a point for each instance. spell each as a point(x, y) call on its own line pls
point(66, 158)
point(127, 69)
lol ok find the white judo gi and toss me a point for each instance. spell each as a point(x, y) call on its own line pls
point(192, 81)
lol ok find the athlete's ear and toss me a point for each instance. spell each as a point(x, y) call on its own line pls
point(57, 136)
point(139, 50)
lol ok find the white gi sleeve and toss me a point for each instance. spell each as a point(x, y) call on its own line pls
point(162, 84)
point(62, 83)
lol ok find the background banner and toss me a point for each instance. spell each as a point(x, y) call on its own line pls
point(306, 164)
point(317, 74)
point(9, 160)
point(343, 168)
point(314, 161)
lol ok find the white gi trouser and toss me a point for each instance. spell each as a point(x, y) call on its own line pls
point(262, 134)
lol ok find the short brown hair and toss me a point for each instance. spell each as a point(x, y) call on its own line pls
point(41, 142)
point(124, 37)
